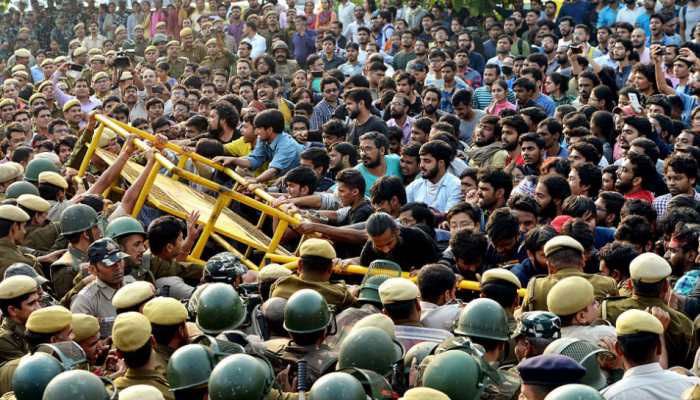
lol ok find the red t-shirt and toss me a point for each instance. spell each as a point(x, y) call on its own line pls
point(642, 194)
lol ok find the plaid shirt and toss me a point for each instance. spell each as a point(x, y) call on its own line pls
point(661, 203)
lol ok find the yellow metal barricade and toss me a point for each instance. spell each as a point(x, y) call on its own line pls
point(177, 198)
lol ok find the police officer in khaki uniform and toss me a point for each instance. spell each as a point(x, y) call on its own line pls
point(12, 223)
point(41, 232)
point(132, 338)
point(18, 299)
point(86, 332)
point(172, 57)
point(133, 296)
point(315, 269)
point(107, 265)
point(218, 57)
point(649, 273)
point(46, 325)
point(10, 172)
point(573, 301)
point(268, 275)
point(564, 258)
point(167, 317)
point(194, 52)
point(501, 285)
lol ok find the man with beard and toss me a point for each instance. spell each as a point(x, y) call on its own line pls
point(435, 187)
point(493, 189)
point(407, 53)
point(223, 120)
point(620, 52)
point(351, 66)
point(420, 47)
point(511, 128)
point(411, 248)
point(634, 127)
point(562, 61)
point(398, 110)
point(431, 102)
point(550, 193)
point(468, 117)
point(587, 80)
point(376, 163)
point(330, 89)
point(549, 46)
point(680, 173)
point(284, 66)
point(535, 263)
point(486, 151)
point(639, 41)
point(519, 47)
point(532, 151)
point(267, 88)
point(633, 177)
point(358, 102)
point(275, 146)
point(681, 252)
point(503, 49)
point(410, 162)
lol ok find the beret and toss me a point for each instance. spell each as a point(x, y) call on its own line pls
point(78, 25)
point(47, 61)
point(210, 41)
point(95, 51)
point(273, 272)
point(7, 102)
point(21, 73)
point(8, 173)
point(35, 96)
point(150, 48)
point(107, 136)
point(140, 392)
point(380, 321)
point(173, 43)
point(70, 104)
point(13, 213)
point(84, 326)
point(649, 268)
point(23, 53)
point(165, 311)
point(550, 370)
point(317, 247)
point(185, 32)
point(43, 84)
point(18, 67)
point(561, 242)
point(51, 319)
point(424, 393)
point(80, 51)
point(398, 289)
point(100, 58)
point(570, 295)
point(33, 202)
point(16, 286)
point(637, 321)
point(133, 294)
point(99, 75)
point(119, 29)
point(131, 330)
point(126, 75)
point(500, 274)
point(54, 179)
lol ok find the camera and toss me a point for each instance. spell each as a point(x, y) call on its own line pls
point(123, 58)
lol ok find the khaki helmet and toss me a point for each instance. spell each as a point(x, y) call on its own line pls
point(483, 318)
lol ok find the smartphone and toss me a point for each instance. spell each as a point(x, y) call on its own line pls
point(317, 74)
point(634, 102)
point(576, 49)
point(75, 67)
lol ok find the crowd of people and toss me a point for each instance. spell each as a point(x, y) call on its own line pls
point(521, 187)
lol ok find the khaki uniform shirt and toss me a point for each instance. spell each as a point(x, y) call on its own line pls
point(194, 54)
point(10, 253)
point(539, 287)
point(140, 376)
point(96, 300)
point(335, 294)
point(12, 343)
point(6, 373)
point(225, 60)
point(177, 66)
point(679, 335)
point(41, 237)
point(65, 269)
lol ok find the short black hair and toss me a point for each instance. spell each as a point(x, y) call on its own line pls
point(618, 256)
point(318, 157)
point(502, 225)
point(385, 188)
point(165, 230)
point(303, 176)
point(270, 119)
point(468, 245)
point(353, 179)
point(434, 280)
point(634, 229)
point(498, 179)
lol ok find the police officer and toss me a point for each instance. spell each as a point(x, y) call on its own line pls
point(140, 392)
point(19, 188)
point(18, 299)
point(228, 383)
point(172, 57)
point(52, 187)
point(79, 226)
point(194, 52)
point(218, 308)
point(541, 374)
point(107, 266)
point(307, 319)
point(454, 373)
point(485, 323)
point(335, 384)
point(12, 223)
point(45, 299)
point(189, 369)
point(86, 332)
point(133, 296)
point(369, 304)
point(76, 385)
point(32, 375)
point(535, 330)
point(37, 166)
point(268, 275)
point(564, 258)
point(10, 172)
point(132, 338)
point(649, 273)
point(46, 325)
point(573, 300)
point(41, 232)
point(167, 317)
point(370, 347)
point(586, 354)
point(574, 391)
point(315, 270)
point(424, 393)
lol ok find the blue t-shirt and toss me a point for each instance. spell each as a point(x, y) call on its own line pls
point(392, 169)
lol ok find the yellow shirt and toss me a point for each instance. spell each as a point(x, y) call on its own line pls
point(241, 148)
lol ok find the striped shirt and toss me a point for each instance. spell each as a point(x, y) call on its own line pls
point(482, 97)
